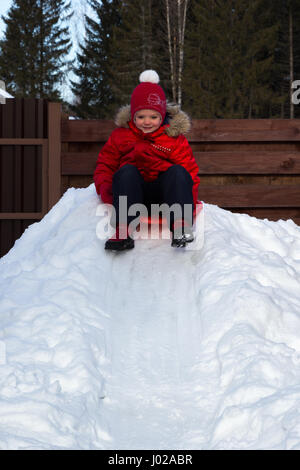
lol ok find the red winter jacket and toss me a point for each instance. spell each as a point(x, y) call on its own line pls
point(151, 153)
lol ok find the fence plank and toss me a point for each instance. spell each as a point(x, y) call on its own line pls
point(6, 175)
point(209, 163)
point(251, 195)
point(6, 236)
point(54, 151)
point(30, 117)
point(248, 162)
point(78, 163)
point(7, 159)
point(22, 141)
point(18, 118)
point(29, 158)
point(245, 130)
point(206, 130)
point(86, 130)
point(40, 121)
point(20, 215)
point(8, 120)
point(29, 179)
point(17, 178)
point(274, 213)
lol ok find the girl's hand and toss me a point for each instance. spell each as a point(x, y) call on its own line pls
point(106, 193)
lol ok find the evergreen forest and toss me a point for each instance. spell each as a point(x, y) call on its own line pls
point(215, 58)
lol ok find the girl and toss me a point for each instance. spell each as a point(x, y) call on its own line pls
point(148, 160)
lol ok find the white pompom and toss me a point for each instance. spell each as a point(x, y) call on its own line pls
point(149, 76)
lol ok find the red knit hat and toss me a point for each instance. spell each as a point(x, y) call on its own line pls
point(148, 94)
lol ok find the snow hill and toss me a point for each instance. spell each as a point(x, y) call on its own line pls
point(156, 348)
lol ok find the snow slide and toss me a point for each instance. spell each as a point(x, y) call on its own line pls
point(155, 348)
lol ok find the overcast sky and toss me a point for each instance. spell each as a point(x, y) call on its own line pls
point(4, 6)
point(79, 6)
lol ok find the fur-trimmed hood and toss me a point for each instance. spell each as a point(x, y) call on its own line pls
point(179, 121)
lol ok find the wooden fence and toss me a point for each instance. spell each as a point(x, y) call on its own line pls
point(249, 166)
point(30, 175)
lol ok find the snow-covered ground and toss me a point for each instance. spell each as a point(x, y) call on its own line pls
point(155, 348)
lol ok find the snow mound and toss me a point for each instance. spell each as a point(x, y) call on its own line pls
point(156, 348)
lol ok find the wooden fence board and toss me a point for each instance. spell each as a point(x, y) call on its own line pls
point(271, 213)
point(247, 162)
point(17, 177)
point(7, 128)
point(78, 163)
point(18, 118)
point(40, 124)
point(6, 172)
point(245, 130)
point(251, 195)
point(214, 130)
point(54, 150)
point(243, 162)
point(30, 118)
point(86, 130)
point(29, 179)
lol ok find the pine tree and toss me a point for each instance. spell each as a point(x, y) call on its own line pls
point(230, 49)
point(139, 43)
point(93, 94)
point(34, 48)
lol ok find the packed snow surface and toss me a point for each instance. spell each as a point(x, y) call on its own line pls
point(155, 348)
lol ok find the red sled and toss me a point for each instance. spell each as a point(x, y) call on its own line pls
point(162, 221)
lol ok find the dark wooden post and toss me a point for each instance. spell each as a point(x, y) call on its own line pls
point(54, 153)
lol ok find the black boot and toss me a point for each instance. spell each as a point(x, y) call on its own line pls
point(181, 235)
point(121, 240)
point(119, 245)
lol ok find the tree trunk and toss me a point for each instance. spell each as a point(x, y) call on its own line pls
point(181, 31)
point(170, 51)
point(176, 32)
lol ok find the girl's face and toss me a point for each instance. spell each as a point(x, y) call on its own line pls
point(147, 120)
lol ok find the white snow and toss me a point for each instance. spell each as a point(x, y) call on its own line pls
point(5, 94)
point(155, 348)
